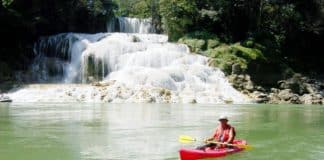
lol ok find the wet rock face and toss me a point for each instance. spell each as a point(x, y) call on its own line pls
point(236, 69)
point(296, 90)
point(241, 82)
point(260, 97)
point(299, 84)
point(312, 99)
point(286, 96)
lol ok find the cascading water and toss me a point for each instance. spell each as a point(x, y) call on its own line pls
point(123, 67)
point(130, 25)
point(58, 58)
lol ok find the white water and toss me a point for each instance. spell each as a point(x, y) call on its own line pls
point(58, 57)
point(126, 68)
point(130, 25)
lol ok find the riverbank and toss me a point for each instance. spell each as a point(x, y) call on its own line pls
point(295, 90)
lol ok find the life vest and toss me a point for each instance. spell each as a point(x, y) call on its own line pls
point(222, 135)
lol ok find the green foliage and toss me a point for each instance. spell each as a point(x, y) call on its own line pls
point(248, 43)
point(134, 8)
point(225, 56)
point(212, 43)
point(177, 16)
point(6, 3)
point(201, 35)
point(248, 53)
point(140, 9)
point(199, 41)
point(195, 45)
point(284, 31)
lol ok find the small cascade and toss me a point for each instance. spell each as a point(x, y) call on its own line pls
point(130, 25)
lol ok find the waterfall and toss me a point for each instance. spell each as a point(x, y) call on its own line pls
point(130, 25)
point(76, 58)
point(58, 57)
point(123, 67)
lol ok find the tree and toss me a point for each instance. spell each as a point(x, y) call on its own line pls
point(26, 21)
point(177, 16)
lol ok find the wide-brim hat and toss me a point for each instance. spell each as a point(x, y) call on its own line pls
point(222, 117)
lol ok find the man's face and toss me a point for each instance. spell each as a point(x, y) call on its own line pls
point(223, 122)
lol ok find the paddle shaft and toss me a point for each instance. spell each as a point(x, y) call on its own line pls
point(215, 142)
point(188, 139)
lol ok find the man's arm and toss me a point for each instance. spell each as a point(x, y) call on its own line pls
point(212, 138)
point(231, 136)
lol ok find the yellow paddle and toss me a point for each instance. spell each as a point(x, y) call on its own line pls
point(188, 139)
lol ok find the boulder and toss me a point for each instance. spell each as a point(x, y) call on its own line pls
point(241, 82)
point(261, 89)
point(296, 90)
point(236, 68)
point(274, 98)
point(249, 86)
point(293, 85)
point(260, 97)
point(287, 96)
point(309, 88)
point(274, 90)
point(311, 99)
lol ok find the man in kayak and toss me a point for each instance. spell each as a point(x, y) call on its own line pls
point(224, 133)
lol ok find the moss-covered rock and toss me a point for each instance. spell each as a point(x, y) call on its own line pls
point(248, 53)
point(227, 56)
point(248, 43)
point(199, 41)
point(212, 43)
point(195, 45)
point(224, 57)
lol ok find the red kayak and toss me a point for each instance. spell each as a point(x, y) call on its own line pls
point(194, 154)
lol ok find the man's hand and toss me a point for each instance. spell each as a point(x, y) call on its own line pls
point(225, 144)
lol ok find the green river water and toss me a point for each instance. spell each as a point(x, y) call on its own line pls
point(74, 131)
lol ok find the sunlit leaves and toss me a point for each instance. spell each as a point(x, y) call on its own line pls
point(6, 3)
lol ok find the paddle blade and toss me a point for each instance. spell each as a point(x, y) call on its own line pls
point(186, 139)
point(247, 147)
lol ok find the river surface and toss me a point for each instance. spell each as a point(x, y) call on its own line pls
point(74, 131)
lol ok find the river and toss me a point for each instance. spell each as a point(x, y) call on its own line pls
point(94, 131)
